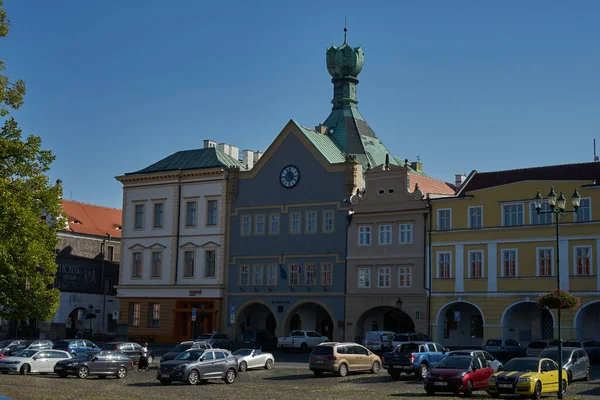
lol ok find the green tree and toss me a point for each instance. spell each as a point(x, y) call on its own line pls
point(27, 241)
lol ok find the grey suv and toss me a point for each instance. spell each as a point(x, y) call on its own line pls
point(216, 340)
point(199, 365)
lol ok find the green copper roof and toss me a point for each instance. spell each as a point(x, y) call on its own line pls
point(192, 159)
point(324, 144)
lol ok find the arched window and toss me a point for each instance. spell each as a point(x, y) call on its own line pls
point(476, 326)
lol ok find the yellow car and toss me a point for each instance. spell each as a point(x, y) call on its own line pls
point(527, 376)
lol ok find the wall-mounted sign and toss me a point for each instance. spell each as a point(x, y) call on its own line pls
point(280, 302)
point(115, 315)
point(194, 292)
point(457, 316)
point(418, 315)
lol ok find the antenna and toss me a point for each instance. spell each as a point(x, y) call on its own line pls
point(345, 29)
point(595, 156)
point(71, 196)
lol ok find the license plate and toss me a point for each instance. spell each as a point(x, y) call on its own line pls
point(505, 385)
point(319, 362)
point(441, 383)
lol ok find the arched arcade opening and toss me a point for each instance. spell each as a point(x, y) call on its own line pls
point(460, 324)
point(309, 316)
point(383, 318)
point(526, 321)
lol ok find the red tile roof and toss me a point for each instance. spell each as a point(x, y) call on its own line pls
point(429, 185)
point(92, 220)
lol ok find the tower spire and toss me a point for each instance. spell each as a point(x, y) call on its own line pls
point(345, 30)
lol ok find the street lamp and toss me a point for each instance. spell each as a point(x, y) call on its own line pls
point(399, 303)
point(558, 208)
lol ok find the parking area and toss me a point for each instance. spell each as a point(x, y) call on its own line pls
point(289, 379)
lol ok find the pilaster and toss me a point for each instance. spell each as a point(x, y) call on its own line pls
point(459, 268)
point(492, 267)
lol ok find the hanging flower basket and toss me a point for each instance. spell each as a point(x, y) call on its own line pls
point(559, 299)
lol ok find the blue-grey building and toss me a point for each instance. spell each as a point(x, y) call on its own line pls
point(288, 216)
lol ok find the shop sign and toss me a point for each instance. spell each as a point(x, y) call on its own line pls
point(280, 302)
point(194, 292)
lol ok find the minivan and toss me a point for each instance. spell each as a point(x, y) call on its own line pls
point(379, 340)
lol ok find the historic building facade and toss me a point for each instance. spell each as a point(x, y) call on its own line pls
point(386, 281)
point(493, 255)
point(174, 222)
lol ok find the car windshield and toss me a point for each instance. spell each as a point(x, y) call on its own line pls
point(26, 353)
point(455, 363)
point(522, 365)
point(191, 355)
point(459, 353)
point(553, 354)
point(242, 352)
point(494, 342)
point(372, 335)
point(182, 347)
point(5, 343)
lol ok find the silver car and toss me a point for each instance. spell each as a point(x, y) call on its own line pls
point(253, 358)
point(29, 361)
point(482, 354)
point(575, 361)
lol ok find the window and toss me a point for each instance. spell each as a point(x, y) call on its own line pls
point(364, 235)
point(211, 212)
point(445, 219)
point(137, 265)
point(294, 275)
point(405, 233)
point(139, 216)
point(188, 271)
point(210, 264)
point(154, 314)
point(444, 265)
point(384, 277)
point(156, 264)
point(244, 275)
point(311, 274)
point(272, 275)
point(385, 234)
point(512, 214)
point(110, 253)
point(135, 310)
point(584, 212)
point(311, 222)
point(476, 264)
point(259, 224)
point(246, 225)
point(404, 276)
point(544, 262)
point(274, 224)
point(258, 275)
point(476, 217)
point(541, 219)
point(327, 274)
point(509, 263)
point(158, 215)
point(327, 221)
point(583, 260)
point(190, 213)
point(295, 222)
point(364, 278)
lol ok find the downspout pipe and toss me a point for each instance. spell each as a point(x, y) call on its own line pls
point(425, 280)
point(349, 221)
point(429, 267)
point(178, 231)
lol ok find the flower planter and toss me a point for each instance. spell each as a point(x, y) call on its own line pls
point(559, 299)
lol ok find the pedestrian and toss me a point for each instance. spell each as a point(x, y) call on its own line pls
point(143, 363)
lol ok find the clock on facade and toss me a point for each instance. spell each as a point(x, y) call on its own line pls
point(289, 176)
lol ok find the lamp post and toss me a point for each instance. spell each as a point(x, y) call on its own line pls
point(91, 311)
point(558, 208)
point(399, 303)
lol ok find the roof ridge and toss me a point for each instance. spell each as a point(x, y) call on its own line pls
point(93, 205)
point(537, 167)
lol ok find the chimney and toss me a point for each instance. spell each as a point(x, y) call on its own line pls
point(459, 180)
point(209, 144)
point(417, 166)
point(234, 152)
point(248, 158)
point(322, 129)
point(257, 155)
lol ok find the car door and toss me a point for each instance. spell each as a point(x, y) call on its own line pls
point(436, 353)
point(477, 374)
point(112, 363)
point(220, 364)
point(98, 363)
point(39, 362)
point(550, 382)
point(207, 365)
point(254, 359)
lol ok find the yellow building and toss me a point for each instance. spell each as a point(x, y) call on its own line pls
point(492, 255)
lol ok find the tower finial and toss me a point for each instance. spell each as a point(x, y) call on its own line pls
point(345, 30)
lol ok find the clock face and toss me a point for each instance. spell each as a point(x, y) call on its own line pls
point(289, 176)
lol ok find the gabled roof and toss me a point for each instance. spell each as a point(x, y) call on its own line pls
point(324, 144)
point(429, 185)
point(210, 157)
point(582, 171)
point(92, 220)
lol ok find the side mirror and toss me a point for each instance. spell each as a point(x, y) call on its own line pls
point(201, 359)
point(36, 358)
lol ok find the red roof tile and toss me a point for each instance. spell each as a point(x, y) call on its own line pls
point(92, 220)
point(429, 185)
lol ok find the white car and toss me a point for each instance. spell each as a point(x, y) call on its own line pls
point(28, 361)
point(253, 358)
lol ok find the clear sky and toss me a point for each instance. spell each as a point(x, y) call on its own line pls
point(115, 85)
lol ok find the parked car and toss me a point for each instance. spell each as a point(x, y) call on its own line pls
point(183, 346)
point(591, 347)
point(258, 339)
point(527, 376)
point(75, 346)
point(458, 374)
point(197, 365)
point(302, 340)
point(575, 361)
point(130, 348)
point(7, 345)
point(535, 348)
point(100, 363)
point(31, 361)
point(413, 358)
point(342, 358)
point(379, 340)
point(484, 355)
point(409, 337)
point(253, 358)
point(29, 345)
point(504, 349)
point(216, 340)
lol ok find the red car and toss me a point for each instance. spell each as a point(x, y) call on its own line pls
point(458, 374)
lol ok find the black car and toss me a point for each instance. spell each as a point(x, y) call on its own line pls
point(133, 350)
point(99, 363)
point(183, 346)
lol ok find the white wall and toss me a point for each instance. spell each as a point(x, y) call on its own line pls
point(148, 196)
point(202, 193)
point(72, 301)
point(146, 246)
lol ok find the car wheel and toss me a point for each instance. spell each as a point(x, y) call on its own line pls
point(430, 392)
point(537, 391)
point(230, 376)
point(25, 369)
point(564, 387)
point(318, 373)
point(83, 372)
point(423, 370)
point(343, 370)
point(193, 378)
point(165, 381)
point(243, 366)
point(569, 377)
point(122, 373)
point(150, 359)
point(269, 364)
point(375, 368)
point(469, 389)
point(303, 347)
point(588, 374)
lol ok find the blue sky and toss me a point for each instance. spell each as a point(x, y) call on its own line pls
point(114, 86)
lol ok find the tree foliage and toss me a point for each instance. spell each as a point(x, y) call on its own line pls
point(27, 241)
